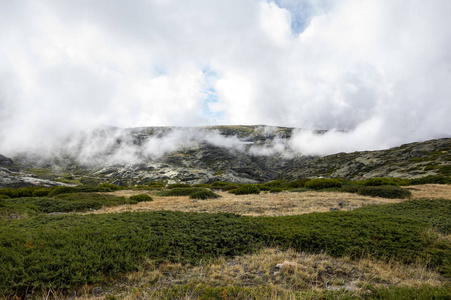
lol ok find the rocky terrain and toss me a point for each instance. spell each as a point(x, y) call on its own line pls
point(244, 154)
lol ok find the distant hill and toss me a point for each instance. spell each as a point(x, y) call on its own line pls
point(244, 154)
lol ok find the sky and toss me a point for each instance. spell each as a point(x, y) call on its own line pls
point(378, 69)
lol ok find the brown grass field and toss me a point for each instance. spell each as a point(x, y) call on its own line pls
point(267, 204)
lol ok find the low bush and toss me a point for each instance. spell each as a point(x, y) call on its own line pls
point(298, 183)
point(401, 181)
point(276, 190)
point(182, 191)
point(203, 195)
point(71, 202)
point(141, 198)
point(78, 189)
point(246, 189)
point(378, 181)
point(350, 188)
point(110, 186)
point(385, 191)
point(219, 184)
point(202, 185)
point(274, 183)
point(65, 251)
point(299, 190)
point(178, 185)
point(156, 185)
point(434, 213)
point(12, 211)
point(444, 170)
point(323, 183)
point(437, 179)
point(61, 252)
point(32, 191)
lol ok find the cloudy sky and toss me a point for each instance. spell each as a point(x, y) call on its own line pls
point(379, 69)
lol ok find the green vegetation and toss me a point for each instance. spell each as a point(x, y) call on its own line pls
point(437, 179)
point(34, 191)
point(268, 292)
point(385, 191)
point(12, 211)
point(323, 183)
point(110, 186)
point(178, 185)
point(246, 189)
point(378, 181)
point(79, 189)
point(219, 185)
point(193, 192)
point(66, 251)
point(71, 202)
point(203, 195)
point(141, 198)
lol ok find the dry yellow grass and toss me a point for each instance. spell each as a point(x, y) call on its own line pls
point(264, 204)
point(431, 191)
point(267, 204)
point(298, 272)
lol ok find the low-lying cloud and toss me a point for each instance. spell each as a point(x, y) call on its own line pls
point(374, 73)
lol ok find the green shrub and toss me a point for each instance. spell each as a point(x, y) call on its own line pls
point(78, 189)
point(203, 195)
point(299, 190)
point(350, 188)
point(65, 251)
point(276, 190)
point(401, 181)
point(156, 184)
point(2, 202)
point(181, 191)
point(434, 213)
point(141, 198)
point(444, 170)
point(110, 186)
point(178, 185)
point(323, 183)
point(408, 293)
point(246, 189)
point(71, 202)
point(275, 183)
point(437, 179)
point(225, 186)
point(385, 191)
point(378, 181)
point(263, 187)
point(32, 191)
point(219, 184)
point(298, 183)
point(8, 211)
point(202, 185)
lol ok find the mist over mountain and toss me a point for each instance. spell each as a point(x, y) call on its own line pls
point(378, 69)
point(241, 154)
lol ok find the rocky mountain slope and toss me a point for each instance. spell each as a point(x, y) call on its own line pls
point(243, 154)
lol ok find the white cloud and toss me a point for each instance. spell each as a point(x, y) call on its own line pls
point(341, 64)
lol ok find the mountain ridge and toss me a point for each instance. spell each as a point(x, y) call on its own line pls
point(241, 154)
